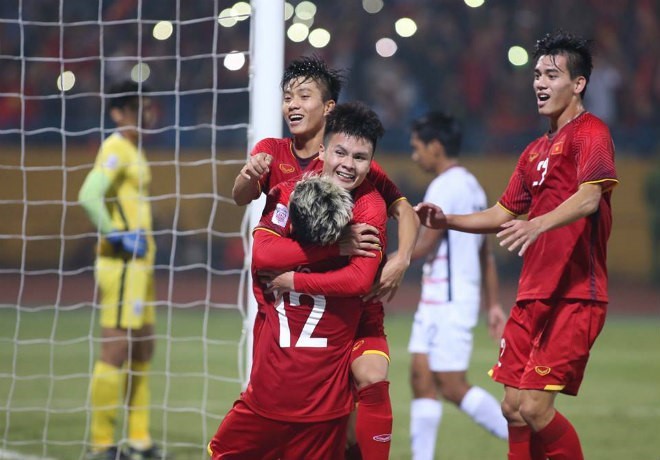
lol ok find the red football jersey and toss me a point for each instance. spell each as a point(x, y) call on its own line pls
point(286, 166)
point(568, 262)
point(301, 367)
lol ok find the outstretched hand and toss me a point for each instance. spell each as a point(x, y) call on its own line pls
point(359, 240)
point(519, 234)
point(431, 216)
point(496, 322)
point(256, 166)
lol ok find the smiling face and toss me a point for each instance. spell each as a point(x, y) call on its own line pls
point(557, 93)
point(346, 160)
point(303, 107)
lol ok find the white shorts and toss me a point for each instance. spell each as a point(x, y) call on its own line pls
point(444, 333)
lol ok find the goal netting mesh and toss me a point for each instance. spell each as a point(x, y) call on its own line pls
point(58, 59)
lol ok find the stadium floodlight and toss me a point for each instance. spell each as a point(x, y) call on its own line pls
point(163, 30)
point(319, 38)
point(372, 6)
point(386, 47)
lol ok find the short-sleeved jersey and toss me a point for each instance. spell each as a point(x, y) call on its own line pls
point(127, 199)
point(286, 166)
point(568, 262)
point(453, 274)
point(301, 365)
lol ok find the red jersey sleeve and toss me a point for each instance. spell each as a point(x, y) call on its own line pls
point(595, 155)
point(387, 189)
point(516, 197)
point(358, 276)
point(272, 248)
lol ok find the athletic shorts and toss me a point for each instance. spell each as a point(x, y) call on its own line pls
point(126, 292)
point(444, 333)
point(370, 338)
point(546, 343)
point(245, 435)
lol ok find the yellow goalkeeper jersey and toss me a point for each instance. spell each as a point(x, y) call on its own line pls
point(128, 171)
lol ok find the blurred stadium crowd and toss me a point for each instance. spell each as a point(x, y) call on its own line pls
point(457, 61)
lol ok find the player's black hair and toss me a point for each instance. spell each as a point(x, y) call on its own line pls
point(314, 68)
point(319, 210)
point(354, 119)
point(576, 49)
point(442, 127)
point(126, 93)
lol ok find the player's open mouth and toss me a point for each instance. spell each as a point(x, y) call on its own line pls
point(295, 118)
point(542, 97)
point(346, 176)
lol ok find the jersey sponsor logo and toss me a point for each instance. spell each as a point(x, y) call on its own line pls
point(542, 370)
point(532, 156)
point(557, 149)
point(287, 169)
point(281, 215)
point(383, 437)
point(112, 161)
point(358, 344)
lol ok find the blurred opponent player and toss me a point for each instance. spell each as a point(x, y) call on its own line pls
point(298, 398)
point(311, 90)
point(115, 196)
point(564, 182)
point(459, 267)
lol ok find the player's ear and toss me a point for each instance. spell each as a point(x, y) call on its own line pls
point(580, 83)
point(322, 152)
point(329, 106)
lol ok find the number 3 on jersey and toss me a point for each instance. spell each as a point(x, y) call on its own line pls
point(543, 167)
point(305, 339)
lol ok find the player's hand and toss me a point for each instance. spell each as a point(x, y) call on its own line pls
point(389, 280)
point(358, 240)
point(431, 216)
point(132, 242)
point(277, 284)
point(519, 234)
point(496, 322)
point(256, 166)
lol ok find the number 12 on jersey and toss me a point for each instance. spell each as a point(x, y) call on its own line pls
point(305, 339)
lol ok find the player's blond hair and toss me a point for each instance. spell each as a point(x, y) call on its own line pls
point(319, 210)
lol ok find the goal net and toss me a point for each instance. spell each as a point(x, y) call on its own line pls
point(59, 58)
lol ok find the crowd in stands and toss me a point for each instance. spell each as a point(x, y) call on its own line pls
point(456, 61)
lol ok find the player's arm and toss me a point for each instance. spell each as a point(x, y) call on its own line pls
point(273, 251)
point(491, 291)
point(92, 199)
point(354, 279)
point(487, 221)
point(246, 185)
point(584, 202)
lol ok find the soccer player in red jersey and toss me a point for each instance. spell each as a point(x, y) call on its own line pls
point(563, 181)
point(310, 91)
point(298, 399)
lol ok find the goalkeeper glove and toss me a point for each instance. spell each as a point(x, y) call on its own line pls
point(131, 242)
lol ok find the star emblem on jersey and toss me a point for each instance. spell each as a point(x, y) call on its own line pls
point(287, 169)
point(542, 370)
point(557, 149)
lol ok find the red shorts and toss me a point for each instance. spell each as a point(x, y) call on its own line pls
point(245, 435)
point(546, 343)
point(370, 337)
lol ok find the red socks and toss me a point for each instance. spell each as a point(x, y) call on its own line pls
point(524, 444)
point(374, 421)
point(557, 441)
point(560, 440)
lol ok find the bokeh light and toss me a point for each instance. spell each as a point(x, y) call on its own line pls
point(319, 38)
point(226, 18)
point(372, 6)
point(163, 30)
point(307, 21)
point(242, 10)
point(234, 61)
point(474, 3)
point(297, 32)
point(518, 56)
point(288, 11)
point(66, 80)
point(140, 72)
point(386, 47)
point(405, 27)
point(305, 10)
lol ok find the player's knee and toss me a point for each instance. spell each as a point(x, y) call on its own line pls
point(369, 377)
point(511, 411)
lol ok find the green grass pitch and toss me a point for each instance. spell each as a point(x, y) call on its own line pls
point(45, 360)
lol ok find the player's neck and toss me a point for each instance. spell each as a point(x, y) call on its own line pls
point(446, 164)
point(306, 147)
point(130, 135)
point(571, 113)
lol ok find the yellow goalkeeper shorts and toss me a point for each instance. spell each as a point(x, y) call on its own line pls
point(126, 292)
